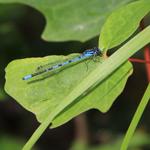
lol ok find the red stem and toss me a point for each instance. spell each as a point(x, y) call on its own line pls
point(147, 58)
point(138, 60)
point(146, 54)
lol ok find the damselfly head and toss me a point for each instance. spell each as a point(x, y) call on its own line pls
point(97, 51)
point(94, 51)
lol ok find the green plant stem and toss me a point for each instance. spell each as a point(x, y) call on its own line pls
point(96, 76)
point(136, 119)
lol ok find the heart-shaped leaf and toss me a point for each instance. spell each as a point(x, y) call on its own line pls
point(41, 95)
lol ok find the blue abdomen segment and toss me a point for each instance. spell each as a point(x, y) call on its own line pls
point(27, 77)
point(85, 55)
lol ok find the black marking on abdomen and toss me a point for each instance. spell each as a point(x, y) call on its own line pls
point(49, 68)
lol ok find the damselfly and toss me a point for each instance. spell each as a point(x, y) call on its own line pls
point(85, 55)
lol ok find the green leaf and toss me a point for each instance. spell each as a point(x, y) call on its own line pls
point(122, 23)
point(72, 19)
point(44, 95)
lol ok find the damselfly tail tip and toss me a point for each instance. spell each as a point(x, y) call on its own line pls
point(27, 77)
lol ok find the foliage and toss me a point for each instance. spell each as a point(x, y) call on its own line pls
point(43, 94)
point(72, 19)
point(115, 31)
point(139, 140)
point(57, 98)
point(138, 114)
point(7, 143)
point(40, 95)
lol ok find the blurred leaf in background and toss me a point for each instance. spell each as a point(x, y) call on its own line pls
point(72, 19)
point(140, 139)
point(10, 143)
